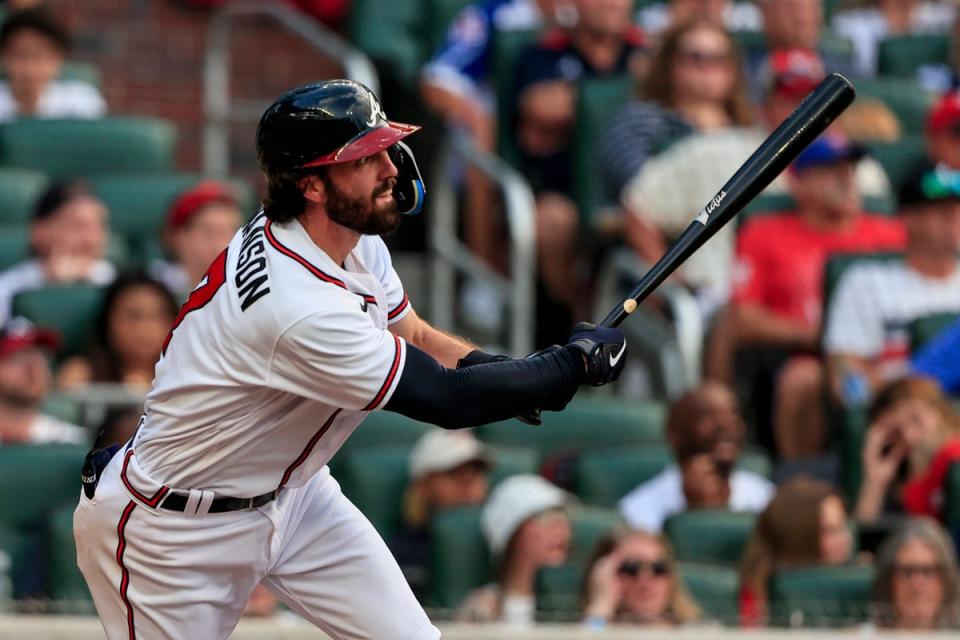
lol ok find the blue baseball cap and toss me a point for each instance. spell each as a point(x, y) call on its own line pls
point(828, 150)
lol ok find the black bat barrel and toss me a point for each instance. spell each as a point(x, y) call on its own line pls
point(820, 108)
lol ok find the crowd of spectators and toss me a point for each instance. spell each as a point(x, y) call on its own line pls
point(790, 359)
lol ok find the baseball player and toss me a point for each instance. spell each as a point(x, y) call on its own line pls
point(298, 330)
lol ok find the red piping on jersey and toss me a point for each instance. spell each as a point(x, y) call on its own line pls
point(150, 502)
point(290, 253)
point(306, 451)
point(399, 308)
point(124, 573)
point(389, 381)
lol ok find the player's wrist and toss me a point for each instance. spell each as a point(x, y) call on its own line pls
point(479, 356)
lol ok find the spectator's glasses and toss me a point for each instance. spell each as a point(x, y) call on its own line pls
point(705, 59)
point(633, 568)
point(941, 183)
point(927, 571)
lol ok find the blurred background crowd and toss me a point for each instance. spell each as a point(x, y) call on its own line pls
point(784, 449)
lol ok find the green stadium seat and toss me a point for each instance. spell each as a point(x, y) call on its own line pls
point(385, 428)
point(67, 148)
point(728, 535)
point(37, 479)
point(821, 596)
point(585, 424)
point(714, 588)
point(924, 329)
point(390, 32)
point(903, 55)
point(598, 99)
point(459, 559)
point(951, 502)
point(64, 582)
point(899, 159)
point(14, 245)
point(754, 43)
point(909, 101)
point(139, 204)
point(375, 478)
point(81, 71)
point(70, 309)
point(19, 191)
point(605, 476)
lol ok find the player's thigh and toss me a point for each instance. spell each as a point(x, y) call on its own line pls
point(156, 576)
point(336, 571)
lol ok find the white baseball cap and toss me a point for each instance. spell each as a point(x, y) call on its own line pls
point(512, 502)
point(440, 450)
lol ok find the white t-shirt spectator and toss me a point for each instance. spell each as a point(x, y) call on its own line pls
point(49, 430)
point(873, 306)
point(61, 99)
point(648, 506)
point(29, 275)
point(867, 27)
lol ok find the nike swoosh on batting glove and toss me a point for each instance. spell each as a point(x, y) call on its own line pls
point(605, 351)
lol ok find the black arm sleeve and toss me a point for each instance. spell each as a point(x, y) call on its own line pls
point(456, 398)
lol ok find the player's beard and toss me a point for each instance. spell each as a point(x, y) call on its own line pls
point(362, 215)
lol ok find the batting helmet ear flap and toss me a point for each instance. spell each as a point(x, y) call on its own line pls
point(409, 190)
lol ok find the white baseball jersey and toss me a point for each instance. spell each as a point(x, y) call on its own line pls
point(273, 361)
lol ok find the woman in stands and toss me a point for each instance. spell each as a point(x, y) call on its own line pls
point(804, 525)
point(134, 321)
point(912, 439)
point(695, 83)
point(916, 586)
point(526, 527)
point(632, 578)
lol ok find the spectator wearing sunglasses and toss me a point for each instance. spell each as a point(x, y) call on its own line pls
point(916, 585)
point(632, 578)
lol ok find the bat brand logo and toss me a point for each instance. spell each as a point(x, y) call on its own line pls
point(710, 208)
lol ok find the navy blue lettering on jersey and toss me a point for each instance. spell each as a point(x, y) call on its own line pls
point(251, 278)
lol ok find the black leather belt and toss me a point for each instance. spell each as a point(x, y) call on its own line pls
point(178, 502)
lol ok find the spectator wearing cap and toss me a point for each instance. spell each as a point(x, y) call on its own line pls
point(942, 131)
point(706, 435)
point(200, 223)
point(33, 47)
point(866, 332)
point(777, 295)
point(68, 236)
point(447, 469)
point(526, 527)
point(867, 26)
point(24, 384)
point(134, 320)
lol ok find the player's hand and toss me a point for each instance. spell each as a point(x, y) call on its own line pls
point(604, 350)
point(704, 486)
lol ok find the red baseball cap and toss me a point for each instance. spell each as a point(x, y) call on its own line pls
point(795, 72)
point(20, 333)
point(945, 114)
point(196, 198)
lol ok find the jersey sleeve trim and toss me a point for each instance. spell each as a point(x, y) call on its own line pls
point(400, 310)
point(388, 386)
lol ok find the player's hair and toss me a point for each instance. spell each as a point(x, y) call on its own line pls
point(36, 20)
point(658, 86)
point(284, 200)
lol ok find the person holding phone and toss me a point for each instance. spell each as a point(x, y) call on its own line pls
point(910, 422)
point(706, 434)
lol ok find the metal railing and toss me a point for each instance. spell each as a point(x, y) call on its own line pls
point(451, 256)
point(220, 110)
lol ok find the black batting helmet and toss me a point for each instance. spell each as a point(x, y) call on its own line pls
point(324, 123)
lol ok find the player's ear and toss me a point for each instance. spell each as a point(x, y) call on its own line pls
point(313, 188)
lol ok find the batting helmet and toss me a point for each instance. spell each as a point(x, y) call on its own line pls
point(324, 123)
point(336, 121)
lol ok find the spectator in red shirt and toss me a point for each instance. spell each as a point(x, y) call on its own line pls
point(777, 296)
